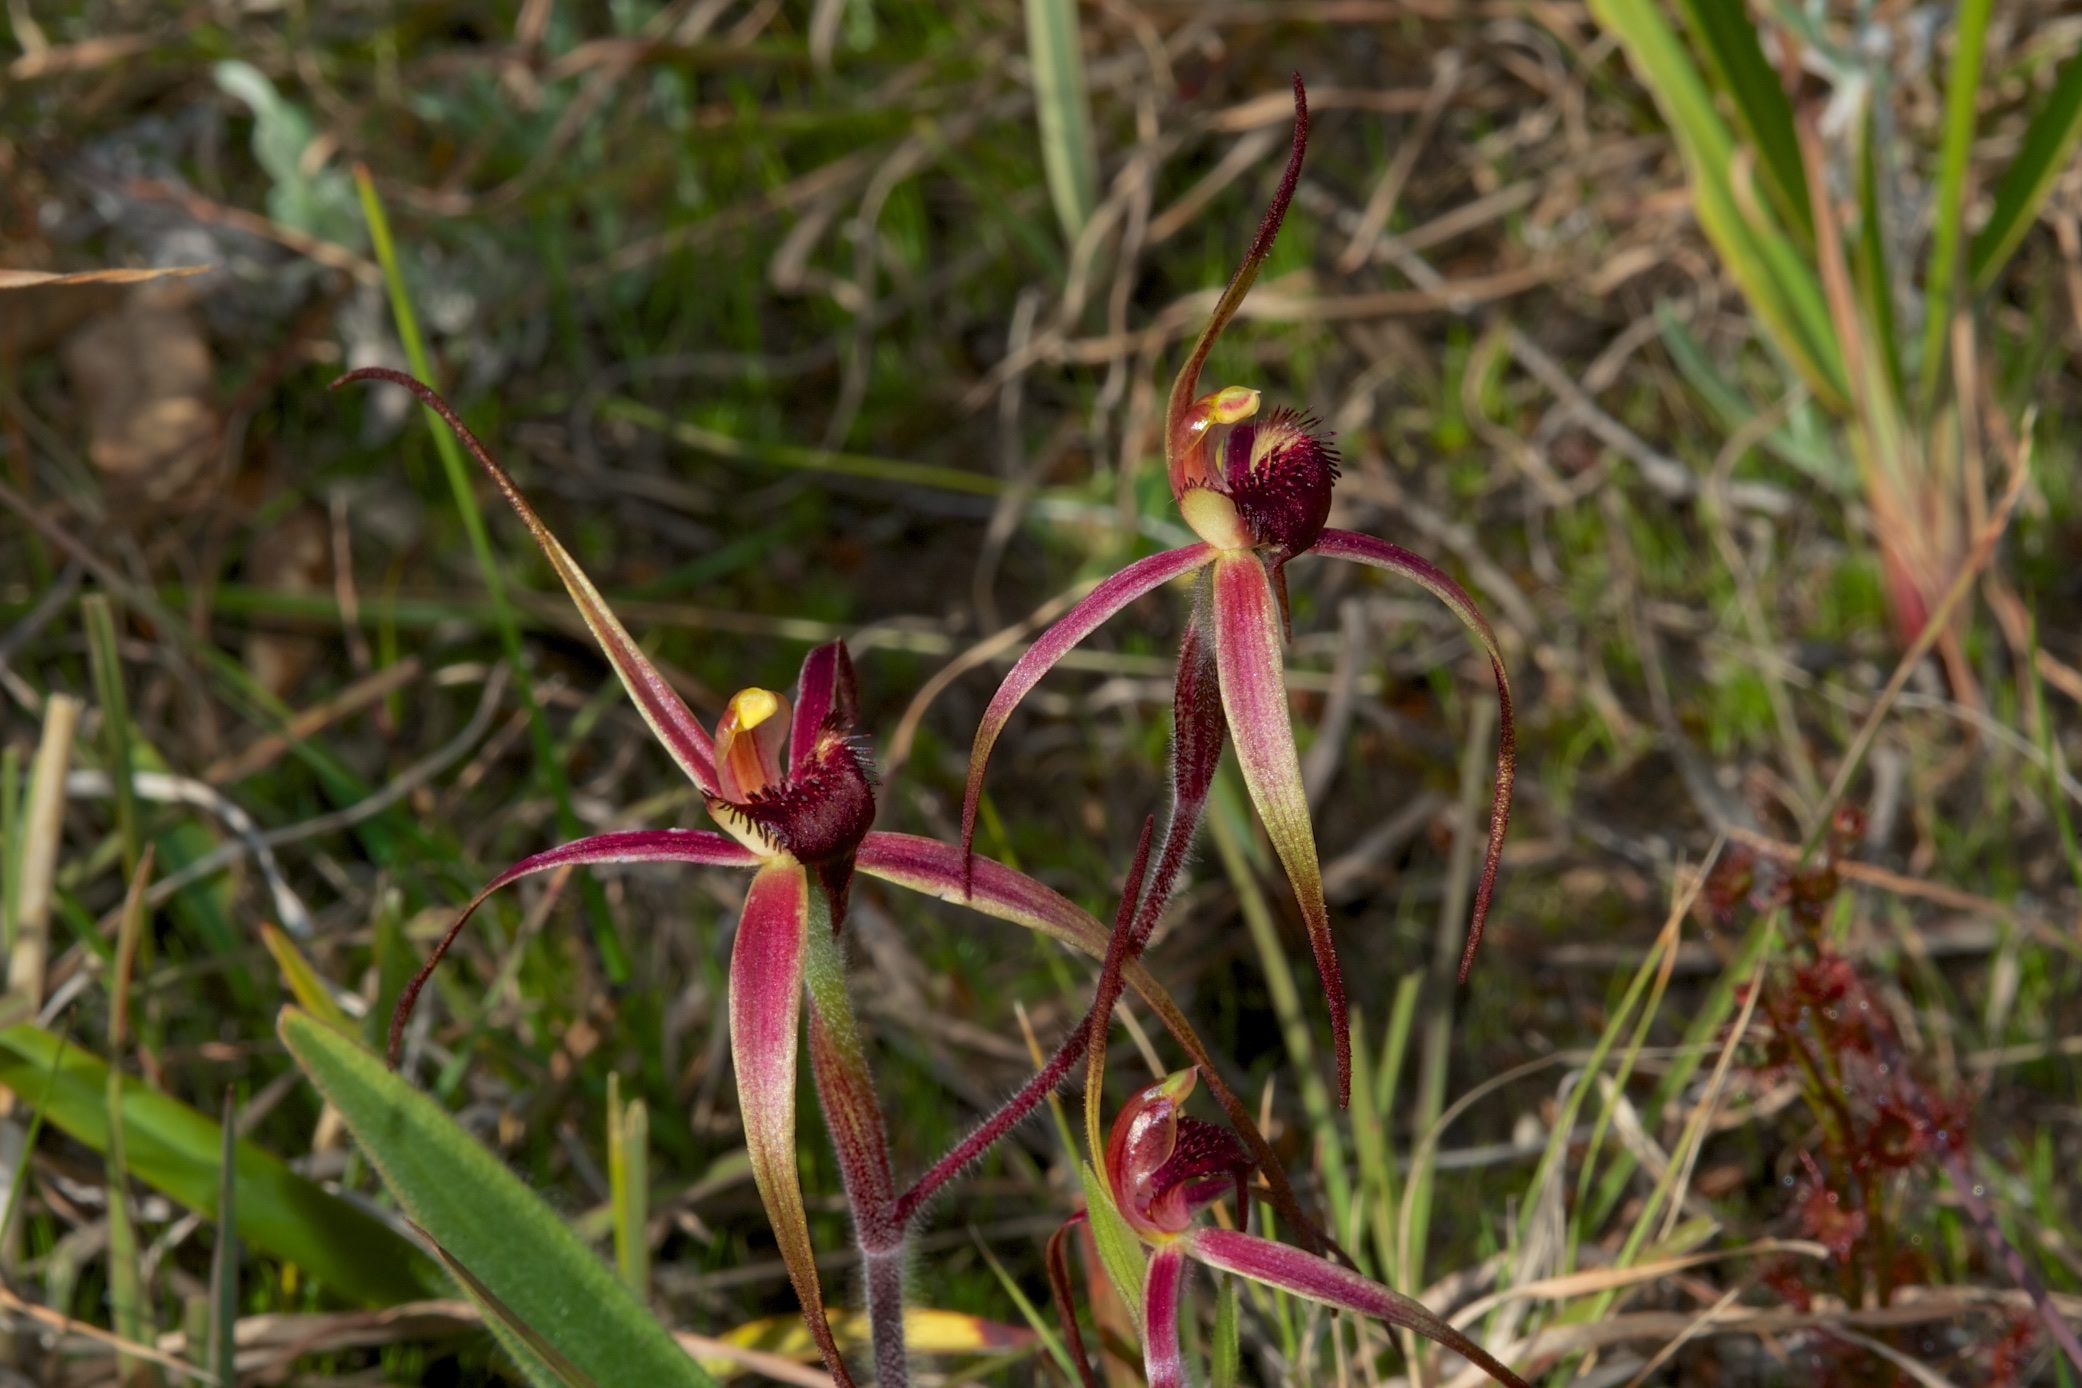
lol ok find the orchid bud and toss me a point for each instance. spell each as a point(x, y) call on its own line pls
point(1163, 1166)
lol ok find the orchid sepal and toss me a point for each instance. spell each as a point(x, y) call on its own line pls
point(1254, 699)
point(1318, 1279)
point(671, 721)
point(1380, 554)
point(767, 965)
point(1142, 576)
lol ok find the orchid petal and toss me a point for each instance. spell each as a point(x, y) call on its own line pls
point(1317, 1279)
point(1188, 381)
point(1254, 696)
point(660, 704)
point(1365, 549)
point(1164, 1288)
point(1142, 576)
point(824, 696)
point(766, 984)
point(936, 869)
point(698, 846)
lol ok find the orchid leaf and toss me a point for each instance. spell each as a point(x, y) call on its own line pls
point(766, 986)
point(1120, 1253)
point(675, 726)
point(178, 1151)
point(1318, 1279)
point(481, 1215)
point(1254, 698)
point(1142, 576)
point(543, 1361)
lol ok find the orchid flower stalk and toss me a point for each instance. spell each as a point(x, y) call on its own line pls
point(1257, 494)
point(790, 786)
point(1161, 1168)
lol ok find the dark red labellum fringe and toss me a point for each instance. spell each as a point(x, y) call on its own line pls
point(1284, 498)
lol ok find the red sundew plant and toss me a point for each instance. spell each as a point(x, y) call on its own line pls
point(791, 789)
point(1257, 493)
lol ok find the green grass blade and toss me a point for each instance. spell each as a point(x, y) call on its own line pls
point(613, 958)
point(1962, 91)
point(1868, 254)
point(128, 1314)
point(174, 1149)
point(1225, 1355)
point(1728, 37)
point(310, 990)
point(2048, 142)
point(224, 1258)
point(629, 1177)
point(1779, 283)
point(1063, 109)
point(484, 1218)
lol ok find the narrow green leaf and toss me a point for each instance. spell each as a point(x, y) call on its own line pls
point(2048, 142)
point(549, 1363)
point(174, 1149)
point(1225, 1355)
point(1868, 255)
point(304, 982)
point(1062, 106)
point(1962, 92)
point(485, 1218)
point(1728, 37)
point(224, 1258)
point(1120, 1252)
point(629, 1177)
point(1779, 282)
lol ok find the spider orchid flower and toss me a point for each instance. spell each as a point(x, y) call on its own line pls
point(1257, 493)
point(1162, 1168)
point(792, 790)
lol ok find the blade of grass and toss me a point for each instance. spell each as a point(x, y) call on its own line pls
point(127, 1310)
point(1062, 108)
point(224, 1257)
point(628, 1177)
point(10, 840)
point(1728, 37)
point(1028, 1311)
point(2048, 141)
point(614, 959)
point(176, 1150)
point(1962, 91)
point(311, 991)
point(107, 668)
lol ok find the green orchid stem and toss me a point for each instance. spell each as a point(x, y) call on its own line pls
point(614, 959)
point(846, 1092)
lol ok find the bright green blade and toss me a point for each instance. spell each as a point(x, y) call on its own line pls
point(1962, 90)
point(1728, 37)
point(2048, 142)
point(174, 1149)
point(514, 1245)
point(1062, 108)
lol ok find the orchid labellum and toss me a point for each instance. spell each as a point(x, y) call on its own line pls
point(1162, 1168)
point(791, 788)
point(1257, 493)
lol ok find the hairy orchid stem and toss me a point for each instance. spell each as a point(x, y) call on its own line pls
point(846, 1093)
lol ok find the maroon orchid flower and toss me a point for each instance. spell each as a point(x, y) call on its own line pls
point(792, 790)
point(1257, 493)
point(1162, 1168)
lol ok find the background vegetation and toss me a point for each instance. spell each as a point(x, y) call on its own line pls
point(801, 320)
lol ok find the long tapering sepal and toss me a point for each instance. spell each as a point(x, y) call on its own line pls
point(697, 846)
point(1317, 1279)
point(1365, 549)
point(1142, 576)
point(660, 704)
point(766, 986)
point(1254, 697)
point(1162, 1291)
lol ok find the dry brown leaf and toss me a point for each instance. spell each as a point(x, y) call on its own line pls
point(29, 279)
